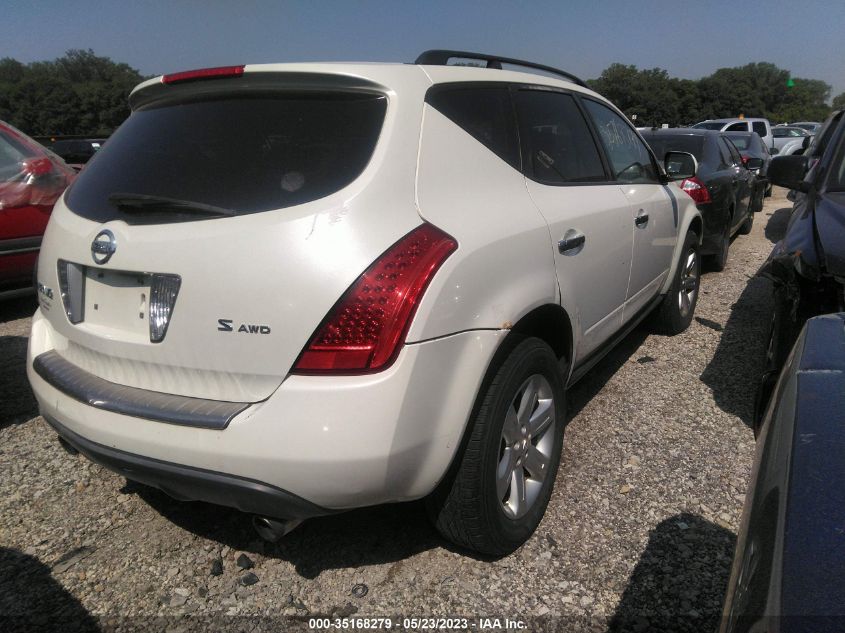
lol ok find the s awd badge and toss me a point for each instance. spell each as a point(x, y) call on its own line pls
point(227, 325)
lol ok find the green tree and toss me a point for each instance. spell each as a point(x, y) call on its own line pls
point(839, 101)
point(806, 100)
point(649, 94)
point(79, 93)
point(757, 89)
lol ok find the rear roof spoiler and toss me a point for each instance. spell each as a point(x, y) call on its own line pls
point(439, 57)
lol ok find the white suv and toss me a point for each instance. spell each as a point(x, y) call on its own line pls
point(296, 289)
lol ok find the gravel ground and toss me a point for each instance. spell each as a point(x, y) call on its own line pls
point(639, 534)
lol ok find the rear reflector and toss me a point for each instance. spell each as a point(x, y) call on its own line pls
point(696, 189)
point(364, 331)
point(203, 73)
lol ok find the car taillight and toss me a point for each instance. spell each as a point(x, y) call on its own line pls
point(745, 159)
point(203, 73)
point(696, 190)
point(365, 329)
point(34, 167)
point(72, 287)
point(163, 292)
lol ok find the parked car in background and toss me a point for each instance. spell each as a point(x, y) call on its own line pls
point(821, 139)
point(750, 145)
point(817, 146)
point(376, 287)
point(807, 266)
point(724, 188)
point(77, 151)
point(761, 126)
point(31, 180)
point(811, 126)
point(787, 569)
point(788, 140)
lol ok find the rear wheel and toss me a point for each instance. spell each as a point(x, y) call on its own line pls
point(676, 311)
point(719, 260)
point(746, 227)
point(495, 498)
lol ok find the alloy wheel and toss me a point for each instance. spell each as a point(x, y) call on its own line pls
point(689, 282)
point(526, 446)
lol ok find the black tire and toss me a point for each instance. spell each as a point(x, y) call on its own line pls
point(466, 507)
point(783, 332)
point(675, 314)
point(718, 261)
point(745, 229)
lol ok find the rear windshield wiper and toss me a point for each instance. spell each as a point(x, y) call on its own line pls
point(138, 202)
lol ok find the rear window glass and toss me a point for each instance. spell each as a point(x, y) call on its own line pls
point(741, 142)
point(245, 154)
point(759, 127)
point(661, 143)
point(709, 125)
point(11, 156)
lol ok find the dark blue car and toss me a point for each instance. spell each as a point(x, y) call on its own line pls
point(807, 266)
point(788, 573)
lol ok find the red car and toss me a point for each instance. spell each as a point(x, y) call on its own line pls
point(31, 180)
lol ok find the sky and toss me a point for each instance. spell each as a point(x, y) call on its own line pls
point(688, 39)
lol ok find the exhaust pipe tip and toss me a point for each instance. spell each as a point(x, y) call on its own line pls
point(273, 529)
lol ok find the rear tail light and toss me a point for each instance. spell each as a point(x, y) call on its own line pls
point(163, 292)
point(745, 159)
point(365, 329)
point(72, 286)
point(35, 167)
point(219, 72)
point(696, 189)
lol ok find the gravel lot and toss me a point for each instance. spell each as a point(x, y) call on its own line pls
point(639, 534)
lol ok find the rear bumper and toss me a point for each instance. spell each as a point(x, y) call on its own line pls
point(140, 403)
point(335, 442)
point(194, 484)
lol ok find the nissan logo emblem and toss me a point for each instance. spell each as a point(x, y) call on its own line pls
point(103, 246)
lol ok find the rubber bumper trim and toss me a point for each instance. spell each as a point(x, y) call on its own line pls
point(132, 401)
point(187, 483)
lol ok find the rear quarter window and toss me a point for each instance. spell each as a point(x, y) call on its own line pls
point(759, 127)
point(245, 153)
point(485, 113)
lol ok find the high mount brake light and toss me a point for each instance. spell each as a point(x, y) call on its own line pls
point(203, 73)
point(365, 329)
point(696, 189)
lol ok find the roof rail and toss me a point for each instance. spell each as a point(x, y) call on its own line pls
point(441, 58)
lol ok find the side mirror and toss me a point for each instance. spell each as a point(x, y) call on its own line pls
point(680, 165)
point(789, 172)
point(753, 163)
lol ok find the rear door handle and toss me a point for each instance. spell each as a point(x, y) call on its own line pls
point(641, 219)
point(572, 241)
